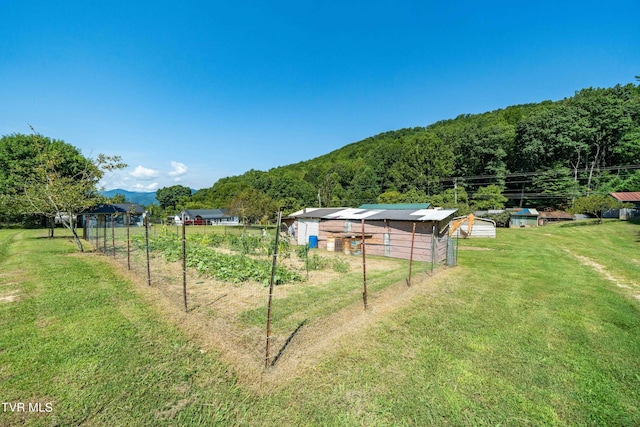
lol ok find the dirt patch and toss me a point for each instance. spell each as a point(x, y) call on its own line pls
point(604, 272)
point(10, 297)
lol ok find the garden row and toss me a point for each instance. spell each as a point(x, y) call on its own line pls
point(249, 261)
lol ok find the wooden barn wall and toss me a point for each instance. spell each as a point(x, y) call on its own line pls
point(389, 238)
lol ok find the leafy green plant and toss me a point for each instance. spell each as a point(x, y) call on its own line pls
point(302, 251)
point(317, 262)
point(340, 265)
point(206, 261)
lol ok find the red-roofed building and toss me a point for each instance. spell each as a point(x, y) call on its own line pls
point(628, 197)
point(632, 197)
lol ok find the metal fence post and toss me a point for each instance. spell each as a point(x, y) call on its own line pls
point(269, 304)
point(184, 264)
point(364, 269)
point(146, 237)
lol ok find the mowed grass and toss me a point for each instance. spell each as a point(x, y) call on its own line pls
point(526, 331)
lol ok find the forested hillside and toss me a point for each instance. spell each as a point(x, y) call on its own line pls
point(542, 155)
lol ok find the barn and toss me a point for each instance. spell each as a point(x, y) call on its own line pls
point(387, 232)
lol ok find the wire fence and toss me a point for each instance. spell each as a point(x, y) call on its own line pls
point(256, 288)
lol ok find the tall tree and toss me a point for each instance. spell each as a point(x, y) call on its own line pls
point(424, 159)
point(489, 197)
point(20, 155)
point(56, 189)
point(596, 204)
point(252, 206)
point(170, 196)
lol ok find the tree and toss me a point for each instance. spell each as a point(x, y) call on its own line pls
point(364, 187)
point(556, 187)
point(19, 157)
point(58, 191)
point(423, 160)
point(596, 205)
point(252, 205)
point(118, 198)
point(170, 196)
point(607, 120)
point(390, 196)
point(489, 197)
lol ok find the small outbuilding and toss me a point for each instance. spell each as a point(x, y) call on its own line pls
point(631, 198)
point(395, 233)
point(550, 217)
point(470, 226)
point(523, 217)
point(102, 216)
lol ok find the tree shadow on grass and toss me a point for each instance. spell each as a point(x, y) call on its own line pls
point(581, 223)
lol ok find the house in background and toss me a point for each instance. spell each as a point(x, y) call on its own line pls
point(523, 217)
point(206, 217)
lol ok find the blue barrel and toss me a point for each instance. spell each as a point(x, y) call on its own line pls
point(313, 242)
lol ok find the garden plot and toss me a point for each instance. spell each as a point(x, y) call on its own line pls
point(227, 288)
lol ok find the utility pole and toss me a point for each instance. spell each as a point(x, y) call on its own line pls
point(455, 191)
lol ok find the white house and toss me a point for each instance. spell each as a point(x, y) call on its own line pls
point(206, 217)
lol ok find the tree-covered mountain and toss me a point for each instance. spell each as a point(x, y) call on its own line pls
point(143, 198)
point(542, 154)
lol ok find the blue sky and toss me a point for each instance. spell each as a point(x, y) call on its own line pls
point(190, 92)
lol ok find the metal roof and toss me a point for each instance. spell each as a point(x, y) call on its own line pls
point(396, 206)
point(205, 213)
point(111, 208)
point(525, 212)
point(377, 214)
point(629, 196)
point(557, 215)
point(314, 212)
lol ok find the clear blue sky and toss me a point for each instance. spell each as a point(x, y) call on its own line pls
point(188, 92)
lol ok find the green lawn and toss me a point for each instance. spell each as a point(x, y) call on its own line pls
point(537, 327)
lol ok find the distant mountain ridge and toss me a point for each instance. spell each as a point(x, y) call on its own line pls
point(143, 198)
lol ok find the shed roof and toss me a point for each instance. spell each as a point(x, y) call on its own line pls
point(112, 208)
point(205, 213)
point(629, 196)
point(556, 215)
point(314, 212)
point(524, 212)
point(376, 214)
point(395, 206)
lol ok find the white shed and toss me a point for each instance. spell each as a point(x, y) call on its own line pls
point(480, 227)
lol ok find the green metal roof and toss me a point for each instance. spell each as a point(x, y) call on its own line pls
point(395, 206)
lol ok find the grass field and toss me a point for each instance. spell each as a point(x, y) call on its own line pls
point(537, 327)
